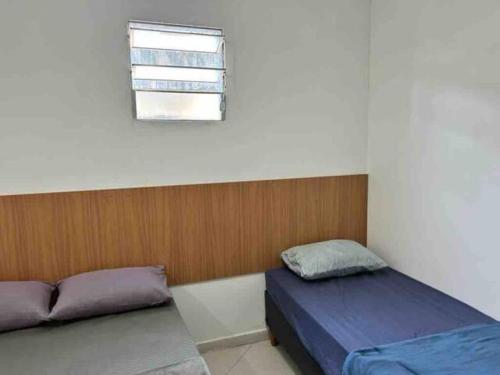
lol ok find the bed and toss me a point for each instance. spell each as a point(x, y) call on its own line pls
point(151, 341)
point(320, 322)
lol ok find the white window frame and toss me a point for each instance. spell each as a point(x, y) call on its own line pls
point(222, 68)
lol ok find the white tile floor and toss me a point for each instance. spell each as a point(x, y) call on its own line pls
point(258, 358)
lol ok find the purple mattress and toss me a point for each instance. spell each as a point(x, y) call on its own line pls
point(335, 316)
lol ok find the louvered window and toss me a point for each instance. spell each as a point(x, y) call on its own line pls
point(178, 72)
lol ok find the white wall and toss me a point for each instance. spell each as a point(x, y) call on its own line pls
point(434, 143)
point(296, 98)
point(222, 308)
point(297, 106)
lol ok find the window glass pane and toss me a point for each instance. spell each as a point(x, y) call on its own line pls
point(175, 28)
point(177, 106)
point(176, 74)
point(144, 56)
point(175, 41)
point(152, 85)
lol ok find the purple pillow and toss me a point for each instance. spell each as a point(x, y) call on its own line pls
point(110, 291)
point(24, 304)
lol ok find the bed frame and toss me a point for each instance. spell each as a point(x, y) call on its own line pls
point(282, 333)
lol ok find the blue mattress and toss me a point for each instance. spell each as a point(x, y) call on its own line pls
point(335, 316)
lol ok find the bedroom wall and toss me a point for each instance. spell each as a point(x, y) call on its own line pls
point(297, 106)
point(434, 144)
point(296, 98)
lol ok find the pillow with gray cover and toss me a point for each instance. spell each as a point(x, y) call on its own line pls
point(24, 304)
point(110, 291)
point(334, 258)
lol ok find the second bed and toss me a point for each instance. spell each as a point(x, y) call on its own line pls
point(321, 322)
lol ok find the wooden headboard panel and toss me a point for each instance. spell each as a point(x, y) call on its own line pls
point(199, 232)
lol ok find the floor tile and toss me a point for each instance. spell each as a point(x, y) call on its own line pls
point(220, 362)
point(262, 358)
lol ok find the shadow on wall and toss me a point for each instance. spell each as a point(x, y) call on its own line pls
point(222, 308)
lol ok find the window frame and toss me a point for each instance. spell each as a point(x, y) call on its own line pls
point(223, 96)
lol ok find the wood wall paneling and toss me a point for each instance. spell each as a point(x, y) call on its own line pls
point(199, 232)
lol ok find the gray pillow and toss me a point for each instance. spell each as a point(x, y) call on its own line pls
point(24, 304)
point(331, 258)
point(110, 291)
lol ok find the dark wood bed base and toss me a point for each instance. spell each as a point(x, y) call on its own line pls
point(282, 333)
